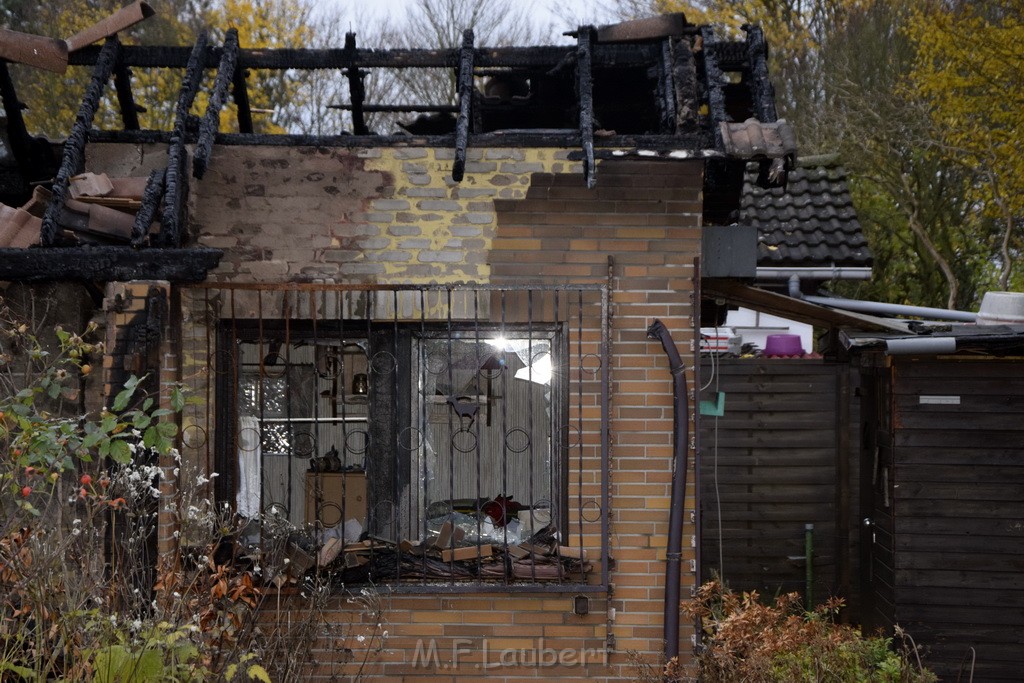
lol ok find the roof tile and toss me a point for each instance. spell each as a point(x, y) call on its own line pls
point(811, 222)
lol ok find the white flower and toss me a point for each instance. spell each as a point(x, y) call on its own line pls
point(360, 638)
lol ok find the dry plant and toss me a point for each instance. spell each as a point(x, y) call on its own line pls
point(80, 598)
point(747, 640)
point(646, 672)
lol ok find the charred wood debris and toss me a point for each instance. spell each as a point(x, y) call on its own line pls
point(447, 554)
point(651, 87)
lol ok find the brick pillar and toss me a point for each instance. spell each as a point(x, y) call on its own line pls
point(139, 343)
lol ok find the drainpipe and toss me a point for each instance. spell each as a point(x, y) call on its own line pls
point(878, 307)
point(673, 555)
point(818, 273)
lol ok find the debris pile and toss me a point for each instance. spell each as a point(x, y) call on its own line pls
point(446, 556)
point(99, 210)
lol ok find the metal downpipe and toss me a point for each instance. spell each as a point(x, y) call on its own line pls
point(681, 436)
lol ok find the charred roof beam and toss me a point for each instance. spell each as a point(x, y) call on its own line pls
point(73, 161)
point(465, 78)
point(584, 79)
point(684, 71)
point(240, 93)
point(715, 84)
point(17, 133)
point(173, 213)
point(356, 87)
point(125, 100)
point(151, 196)
point(211, 120)
point(107, 264)
point(622, 55)
point(666, 89)
point(761, 88)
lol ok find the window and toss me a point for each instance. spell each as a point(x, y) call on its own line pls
point(437, 444)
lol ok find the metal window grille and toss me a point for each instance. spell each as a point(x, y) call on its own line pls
point(435, 437)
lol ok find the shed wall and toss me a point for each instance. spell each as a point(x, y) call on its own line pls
point(958, 506)
point(783, 455)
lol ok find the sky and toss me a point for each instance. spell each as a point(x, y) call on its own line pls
point(562, 15)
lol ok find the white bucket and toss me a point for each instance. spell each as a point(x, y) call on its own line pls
point(1002, 308)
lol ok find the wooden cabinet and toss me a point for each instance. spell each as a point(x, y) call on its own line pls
point(333, 497)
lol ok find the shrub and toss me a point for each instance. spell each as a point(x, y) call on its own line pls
point(79, 495)
point(747, 640)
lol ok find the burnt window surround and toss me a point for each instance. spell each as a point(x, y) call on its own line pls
point(382, 431)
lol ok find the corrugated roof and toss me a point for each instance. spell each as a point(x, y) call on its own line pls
point(810, 222)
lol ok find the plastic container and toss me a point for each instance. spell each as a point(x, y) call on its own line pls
point(783, 345)
point(1002, 308)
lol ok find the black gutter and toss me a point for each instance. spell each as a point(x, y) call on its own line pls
point(673, 555)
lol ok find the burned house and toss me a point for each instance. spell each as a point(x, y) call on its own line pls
point(429, 349)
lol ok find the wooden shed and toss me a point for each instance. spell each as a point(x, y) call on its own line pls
point(942, 494)
point(778, 467)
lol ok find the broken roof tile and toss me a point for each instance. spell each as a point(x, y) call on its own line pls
point(754, 139)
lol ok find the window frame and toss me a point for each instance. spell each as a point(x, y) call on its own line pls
point(580, 314)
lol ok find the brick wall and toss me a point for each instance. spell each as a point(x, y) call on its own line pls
point(641, 227)
point(383, 215)
point(392, 215)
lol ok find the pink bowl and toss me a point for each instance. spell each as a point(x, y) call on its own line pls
point(783, 345)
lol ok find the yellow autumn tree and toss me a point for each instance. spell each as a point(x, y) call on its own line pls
point(969, 69)
point(278, 99)
point(798, 34)
point(52, 100)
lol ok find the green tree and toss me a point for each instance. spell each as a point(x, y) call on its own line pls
point(969, 69)
point(857, 77)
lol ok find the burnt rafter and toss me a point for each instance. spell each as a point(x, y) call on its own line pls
point(240, 94)
point(623, 55)
point(125, 100)
point(73, 160)
point(32, 156)
point(584, 79)
point(465, 80)
point(684, 71)
point(666, 88)
point(151, 197)
point(211, 120)
point(356, 87)
point(761, 88)
point(107, 264)
point(715, 85)
point(173, 214)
